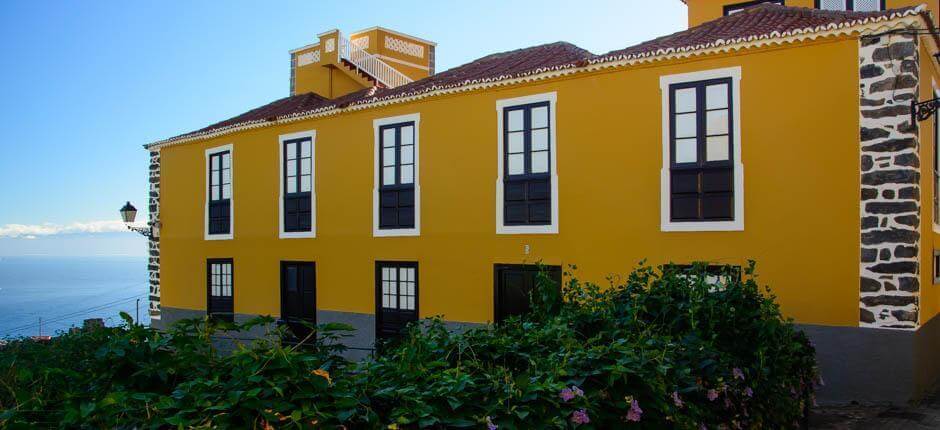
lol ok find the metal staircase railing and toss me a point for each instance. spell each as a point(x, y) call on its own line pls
point(371, 64)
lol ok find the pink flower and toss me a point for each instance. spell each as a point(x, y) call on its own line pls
point(738, 374)
point(580, 417)
point(569, 393)
point(712, 395)
point(676, 399)
point(748, 392)
point(635, 412)
point(490, 425)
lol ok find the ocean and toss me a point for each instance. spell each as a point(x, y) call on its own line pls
point(64, 291)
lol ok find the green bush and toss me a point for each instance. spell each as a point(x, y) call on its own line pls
point(663, 349)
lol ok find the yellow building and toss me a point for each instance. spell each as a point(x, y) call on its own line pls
point(380, 191)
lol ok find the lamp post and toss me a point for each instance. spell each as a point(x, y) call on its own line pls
point(129, 213)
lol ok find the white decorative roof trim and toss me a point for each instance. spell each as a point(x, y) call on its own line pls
point(863, 26)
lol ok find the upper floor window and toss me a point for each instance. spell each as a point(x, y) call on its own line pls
point(297, 187)
point(737, 7)
point(219, 193)
point(397, 197)
point(702, 174)
point(936, 167)
point(851, 5)
point(528, 189)
point(220, 302)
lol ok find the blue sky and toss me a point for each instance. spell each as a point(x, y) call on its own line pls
point(85, 84)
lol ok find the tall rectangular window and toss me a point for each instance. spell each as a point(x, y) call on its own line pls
point(397, 170)
point(738, 7)
point(701, 169)
point(526, 160)
point(851, 5)
point(298, 184)
point(220, 303)
point(219, 207)
point(936, 165)
point(396, 297)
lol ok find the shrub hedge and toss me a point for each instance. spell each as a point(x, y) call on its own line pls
point(664, 348)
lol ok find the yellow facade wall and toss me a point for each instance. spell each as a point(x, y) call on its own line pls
point(706, 10)
point(801, 167)
point(930, 235)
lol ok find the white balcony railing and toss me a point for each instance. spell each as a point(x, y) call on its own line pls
point(371, 64)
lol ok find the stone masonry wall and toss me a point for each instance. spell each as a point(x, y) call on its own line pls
point(890, 175)
point(153, 265)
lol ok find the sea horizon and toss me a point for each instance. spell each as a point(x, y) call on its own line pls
point(66, 290)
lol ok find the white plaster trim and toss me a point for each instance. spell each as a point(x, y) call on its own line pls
point(312, 134)
point(334, 30)
point(666, 224)
point(205, 189)
point(302, 48)
point(860, 27)
point(377, 146)
point(397, 33)
point(551, 98)
point(395, 60)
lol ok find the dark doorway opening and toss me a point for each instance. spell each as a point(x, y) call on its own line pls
point(512, 285)
point(299, 297)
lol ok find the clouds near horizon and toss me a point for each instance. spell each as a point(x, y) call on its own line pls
point(32, 231)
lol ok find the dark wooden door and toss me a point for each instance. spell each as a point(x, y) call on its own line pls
point(299, 296)
point(514, 283)
point(396, 297)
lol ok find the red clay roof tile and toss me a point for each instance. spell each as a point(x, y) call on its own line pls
point(760, 21)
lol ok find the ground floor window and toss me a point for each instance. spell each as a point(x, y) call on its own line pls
point(396, 297)
point(220, 302)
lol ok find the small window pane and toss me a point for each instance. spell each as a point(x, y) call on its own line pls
point(716, 96)
point(388, 156)
point(305, 148)
point(388, 137)
point(516, 164)
point(685, 100)
point(305, 184)
point(407, 154)
point(385, 274)
point(540, 162)
point(215, 192)
point(686, 150)
point(539, 140)
point(291, 151)
point(226, 176)
point(226, 161)
point(388, 176)
point(403, 274)
point(716, 148)
point(392, 275)
point(305, 166)
point(717, 122)
point(408, 135)
point(291, 169)
point(215, 163)
point(516, 142)
point(832, 4)
point(867, 5)
point(385, 303)
point(291, 185)
point(516, 119)
point(686, 125)
point(410, 303)
point(540, 117)
point(407, 174)
point(227, 191)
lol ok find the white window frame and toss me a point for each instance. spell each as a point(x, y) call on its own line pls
point(377, 146)
point(205, 189)
point(666, 223)
point(312, 134)
point(552, 99)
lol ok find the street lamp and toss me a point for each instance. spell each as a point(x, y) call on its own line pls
point(129, 213)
